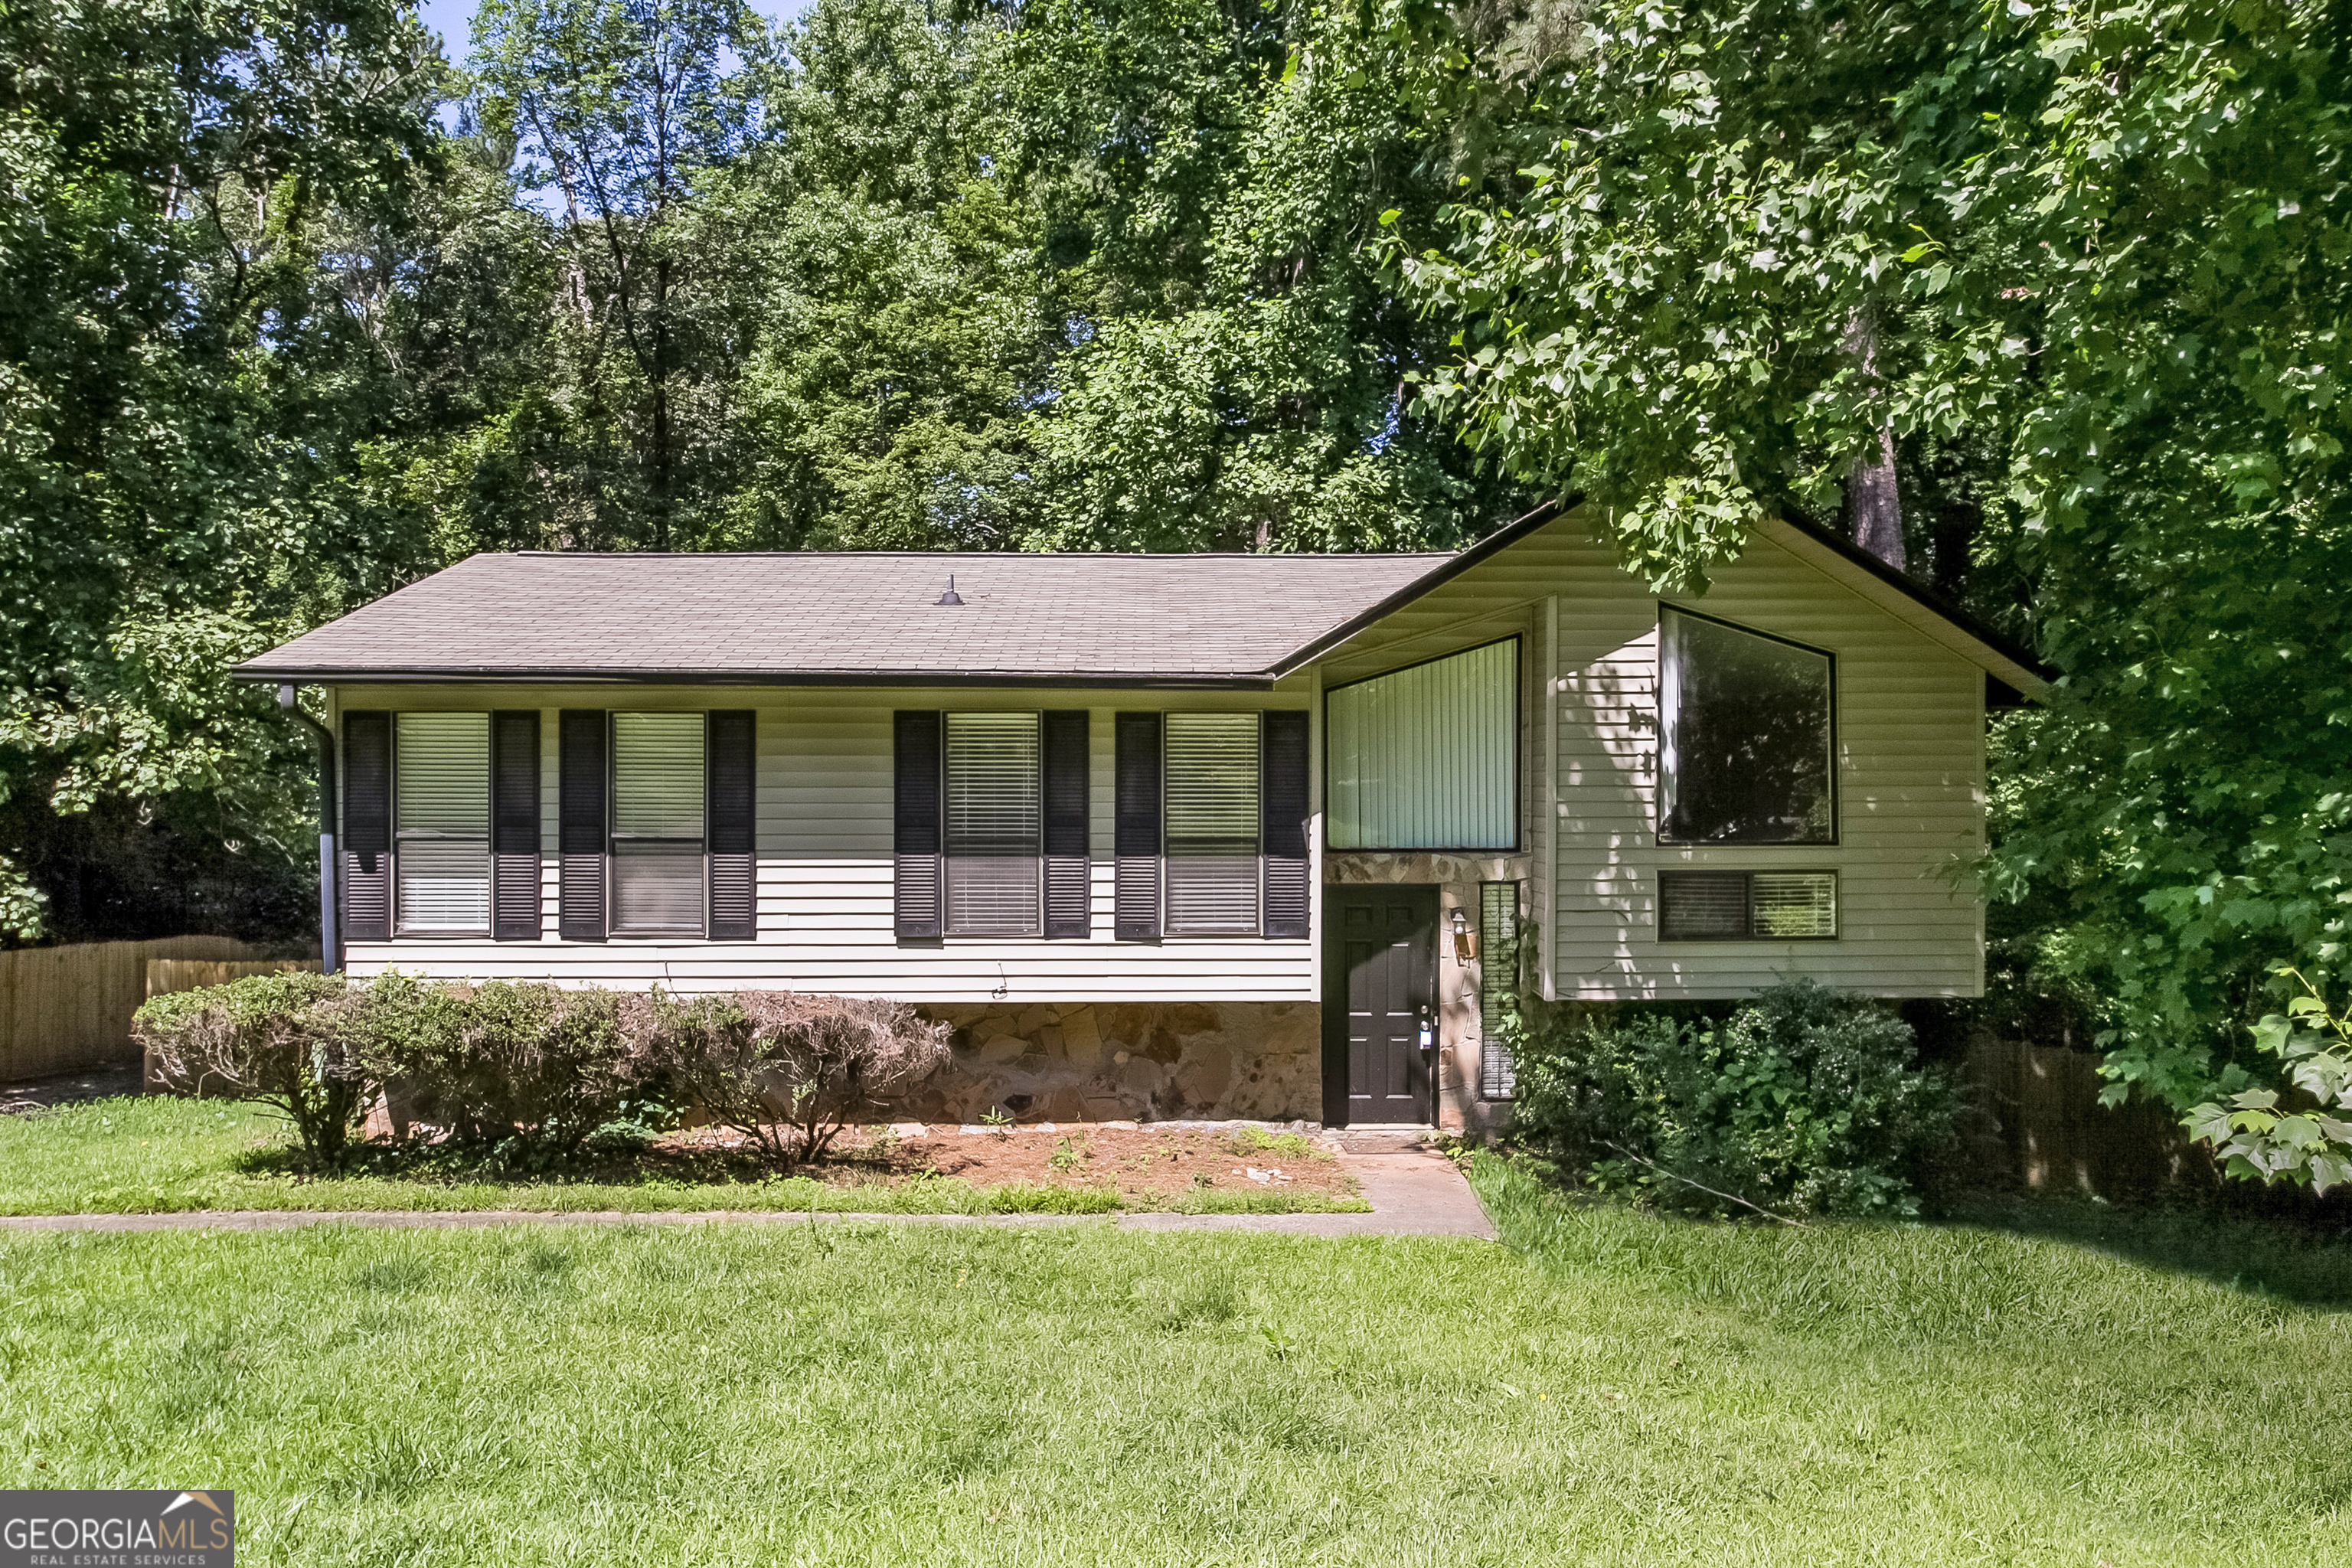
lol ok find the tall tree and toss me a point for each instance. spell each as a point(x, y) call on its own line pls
point(1232, 366)
point(616, 108)
point(182, 357)
point(2103, 246)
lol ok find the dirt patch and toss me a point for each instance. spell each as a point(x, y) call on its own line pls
point(1144, 1164)
point(66, 1089)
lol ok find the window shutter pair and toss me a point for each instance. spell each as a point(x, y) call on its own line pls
point(583, 791)
point(918, 834)
point(1283, 805)
point(367, 825)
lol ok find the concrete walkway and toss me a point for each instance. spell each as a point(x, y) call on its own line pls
point(1413, 1192)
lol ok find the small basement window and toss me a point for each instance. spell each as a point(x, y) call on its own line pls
point(1212, 824)
point(441, 794)
point(1747, 906)
point(658, 825)
point(995, 822)
point(1744, 736)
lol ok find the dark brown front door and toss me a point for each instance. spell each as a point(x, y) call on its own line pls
point(1380, 990)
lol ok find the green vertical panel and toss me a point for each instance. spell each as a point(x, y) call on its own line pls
point(1426, 758)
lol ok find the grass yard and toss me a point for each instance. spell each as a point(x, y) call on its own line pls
point(164, 1155)
point(2062, 1386)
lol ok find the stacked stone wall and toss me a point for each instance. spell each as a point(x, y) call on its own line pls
point(1051, 1061)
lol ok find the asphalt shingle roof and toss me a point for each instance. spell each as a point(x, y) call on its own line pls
point(861, 616)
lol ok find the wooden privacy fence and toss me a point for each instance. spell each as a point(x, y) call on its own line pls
point(2039, 1118)
point(63, 1008)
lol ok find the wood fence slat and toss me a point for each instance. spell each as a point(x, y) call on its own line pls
point(2050, 1131)
point(65, 1008)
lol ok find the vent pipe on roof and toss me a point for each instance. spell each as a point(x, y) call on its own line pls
point(950, 597)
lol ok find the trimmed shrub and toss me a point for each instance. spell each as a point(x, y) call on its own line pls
point(278, 1040)
point(789, 1071)
point(506, 1060)
point(1806, 1098)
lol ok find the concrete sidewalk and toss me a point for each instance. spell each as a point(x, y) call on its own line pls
point(1414, 1192)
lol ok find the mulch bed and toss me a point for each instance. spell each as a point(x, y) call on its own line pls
point(1140, 1161)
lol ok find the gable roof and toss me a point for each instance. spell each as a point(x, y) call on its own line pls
point(864, 618)
point(873, 618)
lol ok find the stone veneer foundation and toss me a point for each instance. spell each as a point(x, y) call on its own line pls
point(1152, 1061)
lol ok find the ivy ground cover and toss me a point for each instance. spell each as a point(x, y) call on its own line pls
point(2048, 1386)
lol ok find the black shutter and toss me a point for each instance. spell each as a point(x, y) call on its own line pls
point(514, 825)
point(1137, 905)
point(1283, 813)
point(1069, 892)
point(367, 828)
point(734, 778)
point(583, 777)
point(915, 833)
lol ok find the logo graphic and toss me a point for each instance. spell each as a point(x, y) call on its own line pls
point(118, 1529)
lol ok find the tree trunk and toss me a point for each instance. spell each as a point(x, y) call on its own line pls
point(1874, 506)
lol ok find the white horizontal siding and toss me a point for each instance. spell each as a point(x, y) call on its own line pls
point(823, 871)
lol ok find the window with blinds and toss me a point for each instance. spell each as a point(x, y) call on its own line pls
point(1211, 824)
point(441, 815)
point(1747, 906)
point(1499, 986)
point(995, 821)
point(658, 825)
point(1427, 757)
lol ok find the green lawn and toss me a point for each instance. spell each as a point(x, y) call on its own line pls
point(2063, 1387)
point(163, 1154)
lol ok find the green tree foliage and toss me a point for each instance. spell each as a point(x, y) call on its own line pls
point(1232, 369)
point(185, 354)
point(2103, 246)
point(897, 325)
point(616, 107)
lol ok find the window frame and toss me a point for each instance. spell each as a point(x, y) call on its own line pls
point(1256, 930)
point(1518, 844)
point(1658, 806)
point(1489, 988)
point(1748, 937)
point(613, 927)
point(399, 930)
point(1036, 932)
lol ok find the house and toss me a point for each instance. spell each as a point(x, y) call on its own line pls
point(1169, 835)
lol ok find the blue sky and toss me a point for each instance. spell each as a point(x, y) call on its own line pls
point(454, 20)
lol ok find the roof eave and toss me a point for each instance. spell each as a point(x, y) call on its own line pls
point(1844, 561)
point(1502, 539)
point(339, 675)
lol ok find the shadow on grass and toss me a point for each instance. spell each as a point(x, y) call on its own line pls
point(459, 1165)
point(2303, 1259)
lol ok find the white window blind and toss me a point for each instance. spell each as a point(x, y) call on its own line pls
point(1212, 824)
point(1747, 906)
point(1793, 904)
point(1427, 758)
point(441, 795)
point(657, 824)
point(995, 816)
point(1498, 985)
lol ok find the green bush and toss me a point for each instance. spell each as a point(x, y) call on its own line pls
point(789, 1071)
point(527, 1064)
point(1805, 1099)
point(279, 1040)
